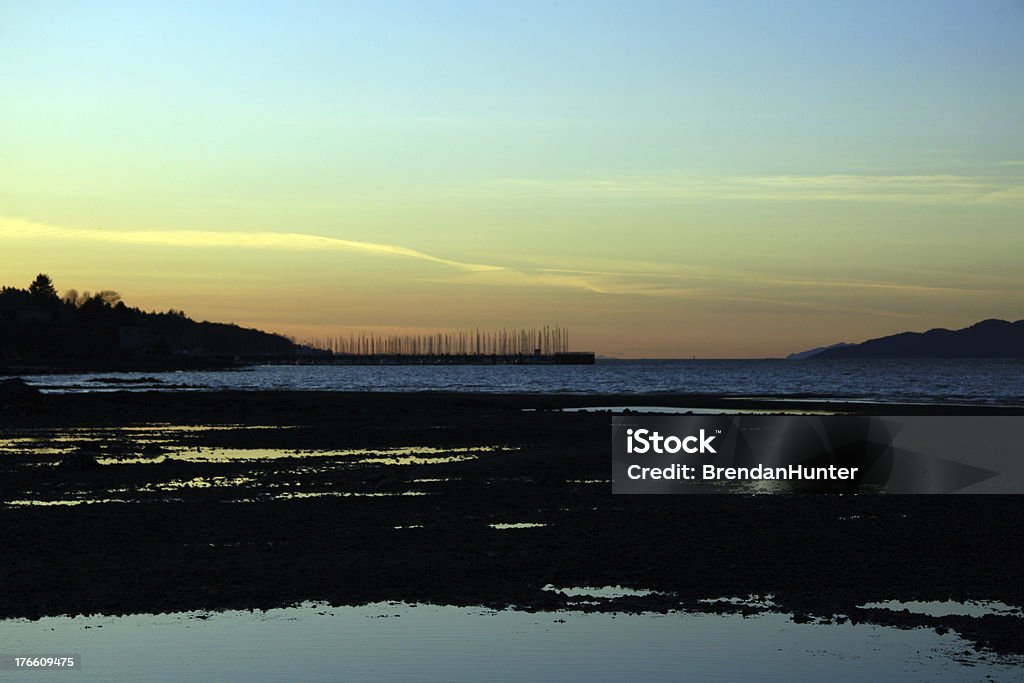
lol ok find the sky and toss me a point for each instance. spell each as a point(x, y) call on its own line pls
point(665, 179)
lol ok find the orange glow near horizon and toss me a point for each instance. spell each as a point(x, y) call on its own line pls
point(658, 186)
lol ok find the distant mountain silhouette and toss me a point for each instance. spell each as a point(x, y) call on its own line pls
point(40, 329)
point(811, 352)
point(987, 339)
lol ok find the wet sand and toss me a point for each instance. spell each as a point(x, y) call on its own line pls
point(203, 528)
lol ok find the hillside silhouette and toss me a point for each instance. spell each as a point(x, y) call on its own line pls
point(38, 327)
point(800, 355)
point(986, 339)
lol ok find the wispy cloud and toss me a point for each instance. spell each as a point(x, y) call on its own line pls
point(763, 294)
point(697, 276)
point(275, 241)
point(913, 189)
point(608, 277)
point(696, 284)
point(765, 279)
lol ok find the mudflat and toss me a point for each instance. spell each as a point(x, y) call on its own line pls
point(130, 502)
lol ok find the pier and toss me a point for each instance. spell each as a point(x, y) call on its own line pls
point(566, 358)
point(548, 345)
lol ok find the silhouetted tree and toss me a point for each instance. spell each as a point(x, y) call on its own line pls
point(42, 288)
point(88, 326)
point(108, 296)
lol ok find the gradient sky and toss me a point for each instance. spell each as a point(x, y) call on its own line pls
point(719, 179)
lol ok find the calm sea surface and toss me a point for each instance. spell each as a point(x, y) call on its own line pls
point(399, 642)
point(938, 381)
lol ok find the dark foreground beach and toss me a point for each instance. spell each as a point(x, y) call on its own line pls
point(257, 500)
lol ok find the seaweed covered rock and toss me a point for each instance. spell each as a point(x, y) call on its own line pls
point(16, 389)
point(17, 396)
point(83, 458)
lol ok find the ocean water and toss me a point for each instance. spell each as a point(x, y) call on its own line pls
point(918, 381)
point(400, 642)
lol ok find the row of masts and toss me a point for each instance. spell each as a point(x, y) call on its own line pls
point(545, 341)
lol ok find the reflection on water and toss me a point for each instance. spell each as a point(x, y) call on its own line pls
point(291, 495)
point(758, 601)
point(405, 455)
point(65, 502)
point(198, 483)
point(169, 427)
point(344, 494)
point(927, 380)
point(607, 592)
point(257, 480)
point(516, 525)
point(581, 596)
point(398, 642)
point(206, 454)
point(417, 460)
point(686, 410)
point(119, 445)
point(109, 458)
point(943, 608)
point(154, 460)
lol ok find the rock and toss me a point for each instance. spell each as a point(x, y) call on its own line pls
point(17, 397)
point(17, 389)
point(80, 459)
